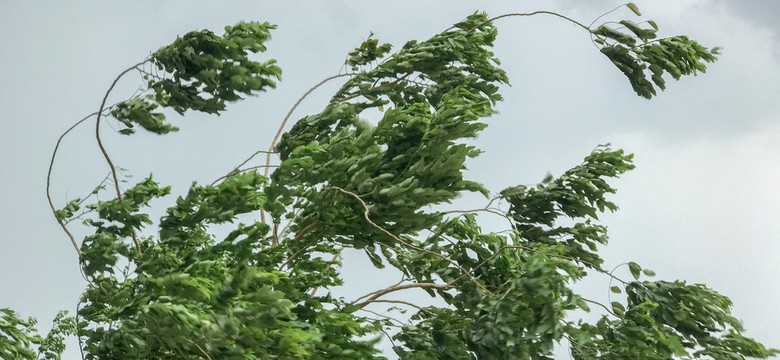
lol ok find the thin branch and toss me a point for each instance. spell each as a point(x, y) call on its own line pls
point(398, 323)
point(289, 223)
point(599, 304)
point(528, 248)
point(284, 122)
point(403, 278)
point(48, 182)
point(575, 22)
point(78, 336)
point(336, 257)
point(397, 80)
point(199, 348)
point(298, 236)
point(391, 289)
point(605, 14)
point(237, 168)
point(418, 307)
point(366, 215)
point(103, 149)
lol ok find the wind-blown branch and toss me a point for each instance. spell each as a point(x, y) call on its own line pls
point(377, 294)
point(48, 182)
point(366, 215)
point(284, 122)
point(103, 148)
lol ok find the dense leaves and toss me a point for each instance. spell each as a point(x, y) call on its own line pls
point(245, 268)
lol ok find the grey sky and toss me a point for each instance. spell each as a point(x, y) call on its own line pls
point(703, 204)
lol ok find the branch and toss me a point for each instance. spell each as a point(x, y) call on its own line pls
point(575, 22)
point(397, 80)
point(284, 122)
point(377, 294)
point(237, 167)
point(298, 236)
point(601, 305)
point(48, 182)
point(199, 348)
point(528, 248)
point(366, 215)
point(418, 307)
point(103, 149)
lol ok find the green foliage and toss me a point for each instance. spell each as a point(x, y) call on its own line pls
point(201, 72)
point(638, 56)
point(204, 284)
point(19, 338)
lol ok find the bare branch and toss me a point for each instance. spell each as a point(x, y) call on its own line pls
point(48, 182)
point(575, 22)
point(199, 348)
point(418, 307)
point(237, 168)
point(377, 294)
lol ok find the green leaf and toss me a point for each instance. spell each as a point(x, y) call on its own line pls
point(615, 289)
point(653, 24)
point(634, 8)
point(635, 269)
point(618, 308)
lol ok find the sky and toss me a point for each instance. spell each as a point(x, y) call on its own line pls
point(702, 205)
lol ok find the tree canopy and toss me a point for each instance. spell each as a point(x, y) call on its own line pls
point(177, 288)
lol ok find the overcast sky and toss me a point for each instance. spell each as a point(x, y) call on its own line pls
point(702, 205)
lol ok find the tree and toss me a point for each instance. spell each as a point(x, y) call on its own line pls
point(179, 288)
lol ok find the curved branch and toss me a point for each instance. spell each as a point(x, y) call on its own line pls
point(48, 182)
point(418, 307)
point(528, 248)
point(575, 22)
point(601, 305)
point(103, 148)
point(284, 122)
point(366, 215)
point(377, 294)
